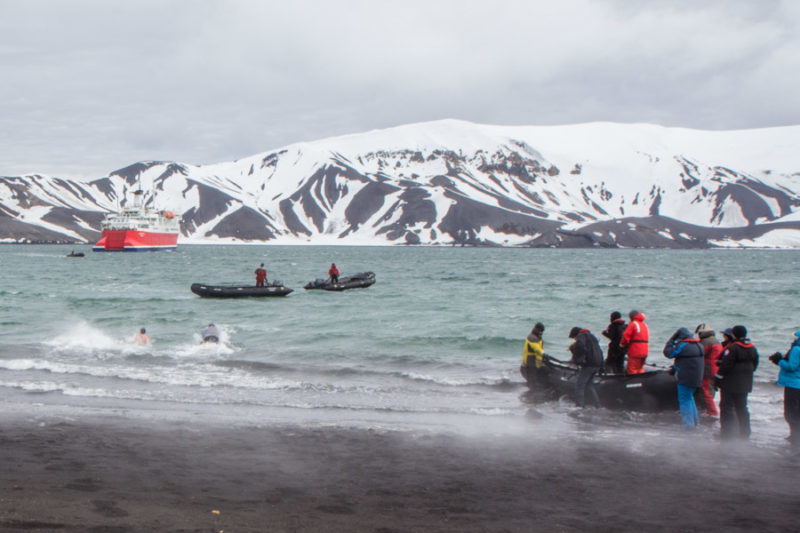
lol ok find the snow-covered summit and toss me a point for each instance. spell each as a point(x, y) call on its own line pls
point(455, 182)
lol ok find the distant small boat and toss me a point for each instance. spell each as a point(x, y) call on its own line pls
point(356, 281)
point(73, 254)
point(239, 291)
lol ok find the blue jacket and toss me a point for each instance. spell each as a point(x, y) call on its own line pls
point(790, 367)
point(688, 354)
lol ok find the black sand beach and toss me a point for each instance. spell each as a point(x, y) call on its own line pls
point(120, 475)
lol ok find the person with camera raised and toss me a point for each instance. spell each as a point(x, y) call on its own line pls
point(789, 378)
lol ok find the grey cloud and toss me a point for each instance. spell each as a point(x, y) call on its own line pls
point(90, 87)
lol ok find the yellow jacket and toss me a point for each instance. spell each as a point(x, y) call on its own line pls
point(534, 346)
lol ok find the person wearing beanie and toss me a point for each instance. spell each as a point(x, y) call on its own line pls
point(687, 352)
point(588, 356)
point(533, 352)
point(735, 380)
point(789, 379)
point(712, 350)
point(636, 340)
point(615, 356)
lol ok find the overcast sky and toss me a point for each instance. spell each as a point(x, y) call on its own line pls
point(87, 87)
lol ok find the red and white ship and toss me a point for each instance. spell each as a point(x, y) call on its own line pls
point(139, 229)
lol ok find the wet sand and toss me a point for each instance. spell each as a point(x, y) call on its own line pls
point(120, 475)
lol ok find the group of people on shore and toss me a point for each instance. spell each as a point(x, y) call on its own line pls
point(702, 364)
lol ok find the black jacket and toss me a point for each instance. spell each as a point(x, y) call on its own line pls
point(737, 365)
point(614, 333)
point(586, 350)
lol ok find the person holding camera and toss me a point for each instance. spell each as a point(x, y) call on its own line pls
point(687, 352)
point(735, 380)
point(789, 379)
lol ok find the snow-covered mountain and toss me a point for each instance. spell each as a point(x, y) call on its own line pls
point(453, 182)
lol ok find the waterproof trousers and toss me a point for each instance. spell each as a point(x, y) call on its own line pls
point(615, 361)
point(734, 418)
point(707, 393)
point(635, 365)
point(584, 386)
point(791, 412)
point(687, 405)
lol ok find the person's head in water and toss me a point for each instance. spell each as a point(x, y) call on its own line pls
point(142, 331)
point(616, 315)
point(211, 324)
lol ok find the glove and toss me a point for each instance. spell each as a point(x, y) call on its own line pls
point(717, 382)
point(776, 357)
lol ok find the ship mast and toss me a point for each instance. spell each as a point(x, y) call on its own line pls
point(138, 194)
point(137, 198)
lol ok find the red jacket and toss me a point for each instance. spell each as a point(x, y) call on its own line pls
point(261, 274)
point(636, 337)
point(712, 354)
point(333, 271)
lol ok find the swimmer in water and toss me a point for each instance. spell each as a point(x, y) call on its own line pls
point(141, 338)
point(211, 334)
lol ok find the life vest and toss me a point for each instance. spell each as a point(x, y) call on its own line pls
point(637, 337)
point(535, 349)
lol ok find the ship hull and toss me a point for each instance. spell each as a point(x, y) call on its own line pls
point(128, 240)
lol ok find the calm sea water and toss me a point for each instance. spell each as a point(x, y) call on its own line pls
point(435, 343)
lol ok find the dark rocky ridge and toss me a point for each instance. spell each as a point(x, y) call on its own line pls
point(495, 197)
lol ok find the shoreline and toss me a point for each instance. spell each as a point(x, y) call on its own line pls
point(126, 474)
point(443, 246)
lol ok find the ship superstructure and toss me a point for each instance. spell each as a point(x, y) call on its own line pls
point(139, 229)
